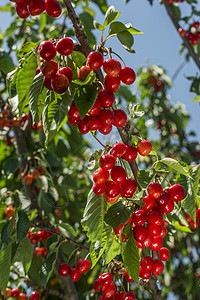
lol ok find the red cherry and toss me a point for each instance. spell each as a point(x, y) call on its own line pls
point(73, 122)
point(21, 296)
point(53, 8)
point(128, 187)
point(60, 83)
point(156, 244)
point(158, 267)
point(155, 218)
point(181, 31)
point(49, 68)
point(118, 149)
point(140, 233)
point(47, 83)
point(94, 123)
point(95, 60)
point(95, 108)
point(176, 192)
point(130, 154)
point(98, 189)
point(139, 217)
point(195, 40)
point(83, 125)
point(65, 46)
point(22, 10)
point(106, 116)
point(149, 203)
point(112, 67)
point(148, 241)
point(147, 263)
point(38, 252)
point(195, 25)
point(144, 274)
point(112, 83)
point(112, 200)
point(67, 72)
point(144, 148)
point(44, 251)
point(163, 199)
point(128, 277)
point(106, 97)
point(130, 294)
point(118, 174)
point(112, 189)
point(127, 75)
point(154, 190)
point(84, 72)
point(83, 265)
point(64, 269)
point(168, 207)
point(120, 118)
point(163, 254)
point(163, 232)
point(74, 112)
point(154, 230)
point(105, 129)
point(36, 7)
point(35, 296)
point(47, 50)
point(97, 286)
point(109, 290)
point(15, 293)
point(105, 277)
point(75, 275)
point(9, 212)
point(107, 161)
point(100, 176)
point(198, 213)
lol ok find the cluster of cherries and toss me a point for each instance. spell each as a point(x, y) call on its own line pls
point(5, 121)
point(101, 116)
point(15, 293)
point(193, 34)
point(119, 183)
point(105, 284)
point(83, 265)
point(54, 78)
point(25, 8)
point(34, 175)
point(155, 83)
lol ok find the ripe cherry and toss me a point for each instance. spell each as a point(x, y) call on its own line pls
point(154, 190)
point(163, 254)
point(28, 179)
point(120, 118)
point(95, 60)
point(49, 68)
point(36, 7)
point(60, 83)
point(21, 296)
point(94, 123)
point(147, 263)
point(47, 50)
point(149, 203)
point(109, 290)
point(154, 230)
point(128, 277)
point(163, 232)
point(72, 122)
point(155, 218)
point(15, 293)
point(35, 296)
point(100, 176)
point(47, 83)
point(22, 10)
point(139, 217)
point(196, 25)
point(127, 75)
point(130, 294)
point(105, 277)
point(107, 161)
point(176, 192)
point(84, 72)
point(97, 286)
point(98, 189)
point(156, 244)
point(148, 241)
point(168, 207)
point(112, 200)
point(128, 187)
point(112, 83)
point(163, 199)
point(83, 125)
point(106, 97)
point(65, 46)
point(53, 8)
point(9, 212)
point(144, 274)
point(8, 293)
point(105, 129)
point(118, 149)
point(118, 174)
point(64, 269)
point(106, 116)
point(38, 252)
point(158, 267)
point(130, 154)
point(112, 189)
point(95, 108)
point(74, 112)
point(83, 265)
point(144, 148)
point(44, 251)
point(67, 72)
point(140, 233)
point(112, 67)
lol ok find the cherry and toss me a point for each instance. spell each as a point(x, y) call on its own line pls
point(83, 265)
point(196, 25)
point(94, 123)
point(73, 122)
point(168, 207)
point(112, 200)
point(198, 213)
point(64, 269)
point(147, 263)
point(21, 296)
point(38, 252)
point(44, 251)
point(130, 154)
point(95, 108)
point(112, 189)
point(163, 232)
point(112, 67)
point(33, 239)
point(127, 75)
point(67, 72)
point(148, 241)
point(97, 286)
point(100, 176)
point(9, 212)
point(47, 50)
point(60, 83)
point(144, 274)
point(144, 148)
point(65, 46)
point(120, 118)
point(28, 179)
point(107, 161)
point(112, 83)
point(105, 129)
point(158, 267)
point(109, 290)
point(128, 187)
point(49, 68)
point(35, 174)
point(194, 40)
point(83, 125)
point(15, 293)
point(36, 7)
point(182, 32)
point(128, 277)
point(154, 230)
point(156, 244)
point(154, 190)
point(176, 192)
point(74, 112)
point(155, 218)
point(139, 217)
point(106, 116)
point(105, 277)
point(95, 60)
point(84, 72)
point(118, 149)
point(163, 199)
point(53, 8)
point(130, 294)
point(140, 233)
point(35, 296)
point(22, 10)
point(118, 174)
point(98, 189)
point(106, 97)
point(163, 254)
point(47, 83)
point(149, 203)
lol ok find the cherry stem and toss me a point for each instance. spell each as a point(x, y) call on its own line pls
point(97, 140)
point(119, 58)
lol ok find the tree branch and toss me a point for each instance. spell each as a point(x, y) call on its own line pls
point(186, 42)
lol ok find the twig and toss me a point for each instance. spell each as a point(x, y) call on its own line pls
point(180, 67)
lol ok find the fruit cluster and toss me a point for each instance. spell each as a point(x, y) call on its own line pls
point(39, 236)
point(119, 183)
point(28, 179)
point(193, 34)
point(5, 121)
point(15, 293)
point(105, 284)
point(101, 117)
point(54, 78)
point(83, 265)
point(25, 8)
point(155, 83)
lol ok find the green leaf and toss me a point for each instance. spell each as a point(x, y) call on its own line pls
point(11, 82)
point(52, 242)
point(196, 99)
point(117, 214)
point(93, 216)
point(6, 62)
point(5, 262)
point(195, 87)
point(34, 94)
point(23, 225)
point(79, 58)
point(110, 16)
point(130, 257)
point(126, 39)
point(26, 48)
point(144, 179)
point(176, 165)
point(34, 271)
point(68, 228)
point(113, 248)
point(48, 267)
point(43, 22)
point(98, 26)
point(117, 27)
point(25, 79)
point(84, 98)
point(7, 231)
point(177, 12)
point(133, 30)
point(24, 253)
